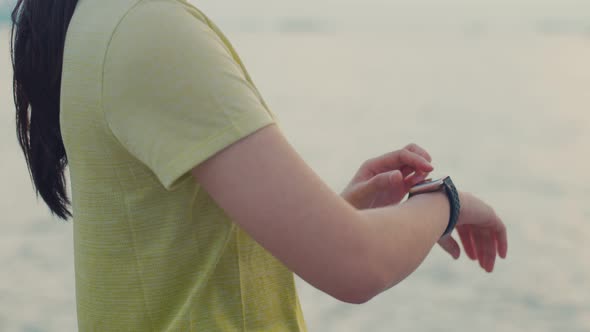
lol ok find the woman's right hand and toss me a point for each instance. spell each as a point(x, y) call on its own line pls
point(482, 233)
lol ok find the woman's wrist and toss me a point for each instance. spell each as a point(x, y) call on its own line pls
point(465, 199)
point(438, 201)
point(446, 186)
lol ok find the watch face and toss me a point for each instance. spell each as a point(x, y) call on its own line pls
point(427, 186)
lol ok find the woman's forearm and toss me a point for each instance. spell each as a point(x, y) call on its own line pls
point(282, 204)
point(402, 236)
point(389, 244)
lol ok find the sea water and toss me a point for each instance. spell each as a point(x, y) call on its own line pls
point(497, 92)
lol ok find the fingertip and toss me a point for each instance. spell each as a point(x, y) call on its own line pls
point(413, 179)
point(456, 249)
point(502, 251)
point(491, 263)
point(454, 252)
point(426, 166)
point(396, 177)
point(482, 263)
point(502, 246)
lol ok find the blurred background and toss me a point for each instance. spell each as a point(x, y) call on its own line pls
point(497, 91)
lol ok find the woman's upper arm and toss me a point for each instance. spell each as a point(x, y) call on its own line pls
point(268, 190)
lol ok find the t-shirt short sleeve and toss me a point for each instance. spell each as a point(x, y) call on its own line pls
point(174, 94)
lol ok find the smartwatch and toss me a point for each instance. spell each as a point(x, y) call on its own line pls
point(446, 185)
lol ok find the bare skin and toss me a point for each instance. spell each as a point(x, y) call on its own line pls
point(353, 246)
point(386, 180)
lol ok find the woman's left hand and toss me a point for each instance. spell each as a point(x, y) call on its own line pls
point(385, 180)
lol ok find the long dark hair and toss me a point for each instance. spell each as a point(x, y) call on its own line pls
point(36, 47)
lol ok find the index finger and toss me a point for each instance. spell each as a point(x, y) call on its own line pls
point(419, 150)
point(400, 159)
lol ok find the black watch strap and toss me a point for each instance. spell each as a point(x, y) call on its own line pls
point(453, 196)
point(454, 202)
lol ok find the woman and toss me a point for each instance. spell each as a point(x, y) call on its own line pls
point(191, 210)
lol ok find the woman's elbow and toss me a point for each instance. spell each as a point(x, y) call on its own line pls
point(361, 289)
point(359, 298)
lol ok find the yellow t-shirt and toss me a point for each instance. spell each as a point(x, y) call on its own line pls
point(150, 89)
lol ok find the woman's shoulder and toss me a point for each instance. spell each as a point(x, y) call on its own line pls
point(158, 14)
point(106, 18)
